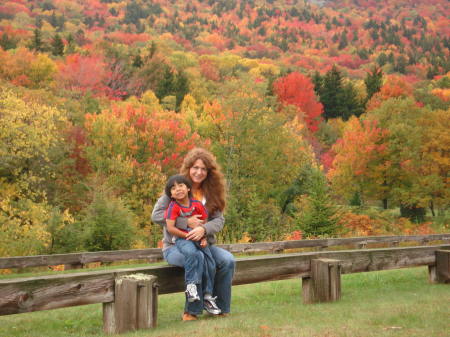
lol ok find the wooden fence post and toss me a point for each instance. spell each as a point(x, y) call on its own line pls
point(324, 285)
point(134, 306)
point(432, 273)
point(443, 266)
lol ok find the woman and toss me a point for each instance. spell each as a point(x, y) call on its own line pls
point(208, 186)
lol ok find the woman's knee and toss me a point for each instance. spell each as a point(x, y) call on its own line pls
point(223, 258)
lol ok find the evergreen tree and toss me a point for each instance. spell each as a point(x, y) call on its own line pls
point(57, 46)
point(181, 88)
point(36, 43)
point(373, 82)
point(53, 20)
point(318, 82)
point(137, 61)
point(71, 44)
point(350, 104)
point(317, 216)
point(7, 43)
point(343, 41)
point(382, 59)
point(166, 85)
point(330, 93)
point(152, 49)
point(400, 64)
point(338, 99)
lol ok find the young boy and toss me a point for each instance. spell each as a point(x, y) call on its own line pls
point(200, 267)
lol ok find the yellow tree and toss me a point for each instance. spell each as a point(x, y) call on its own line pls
point(436, 156)
point(29, 135)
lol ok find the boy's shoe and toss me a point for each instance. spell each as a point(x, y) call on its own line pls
point(191, 293)
point(210, 305)
point(188, 317)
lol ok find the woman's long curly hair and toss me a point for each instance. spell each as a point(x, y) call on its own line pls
point(213, 187)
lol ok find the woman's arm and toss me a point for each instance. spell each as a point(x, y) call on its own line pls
point(215, 223)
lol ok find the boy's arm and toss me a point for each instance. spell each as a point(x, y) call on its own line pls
point(174, 230)
point(160, 208)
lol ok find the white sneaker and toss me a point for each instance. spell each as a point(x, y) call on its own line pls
point(210, 305)
point(191, 293)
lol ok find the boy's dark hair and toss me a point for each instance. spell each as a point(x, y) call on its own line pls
point(179, 179)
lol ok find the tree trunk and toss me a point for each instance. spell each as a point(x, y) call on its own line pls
point(432, 208)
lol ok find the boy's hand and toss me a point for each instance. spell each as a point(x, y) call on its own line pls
point(203, 242)
point(196, 234)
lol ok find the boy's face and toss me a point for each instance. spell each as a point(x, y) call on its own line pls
point(179, 191)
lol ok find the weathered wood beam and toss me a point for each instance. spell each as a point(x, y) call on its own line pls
point(155, 254)
point(58, 291)
point(443, 266)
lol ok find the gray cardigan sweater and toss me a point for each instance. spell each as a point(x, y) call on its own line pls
point(213, 225)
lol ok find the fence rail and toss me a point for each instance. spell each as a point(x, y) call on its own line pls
point(57, 291)
point(155, 254)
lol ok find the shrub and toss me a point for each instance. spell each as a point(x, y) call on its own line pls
point(108, 224)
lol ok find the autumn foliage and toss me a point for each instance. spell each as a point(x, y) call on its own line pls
point(297, 89)
point(311, 110)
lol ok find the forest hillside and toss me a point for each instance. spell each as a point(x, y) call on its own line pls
point(328, 118)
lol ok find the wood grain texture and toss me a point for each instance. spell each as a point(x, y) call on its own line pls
point(326, 280)
point(443, 266)
point(155, 254)
point(133, 306)
point(57, 291)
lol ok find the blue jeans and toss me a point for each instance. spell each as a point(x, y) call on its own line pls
point(222, 283)
point(200, 270)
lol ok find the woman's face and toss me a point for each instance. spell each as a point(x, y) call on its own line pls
point(198, 172)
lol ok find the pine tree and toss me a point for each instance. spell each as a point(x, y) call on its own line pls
point(36, 43)
point(338, 99)
point(166, 85)
point(181, 88)
point(318, 217)
point(373, 82)
point(7, 43)
point(137, 61)
point(330, 93)
point(57, 46)
point(382, 59)
point(343, 41)
point(71, 44)
point(318, 82)
point(350, 104)
point(400, 64)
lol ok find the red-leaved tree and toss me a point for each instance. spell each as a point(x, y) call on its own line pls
point(298, 90)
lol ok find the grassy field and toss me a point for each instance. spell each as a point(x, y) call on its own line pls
point(388, 303)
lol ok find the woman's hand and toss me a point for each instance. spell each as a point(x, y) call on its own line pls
point(196, 234)
point(194, 221)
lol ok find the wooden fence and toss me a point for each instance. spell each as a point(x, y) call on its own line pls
point(78, 260)
point(318, 270)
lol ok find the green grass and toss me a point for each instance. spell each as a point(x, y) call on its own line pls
point(387, 303)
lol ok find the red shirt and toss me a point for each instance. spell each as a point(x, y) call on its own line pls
point(176, 210)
